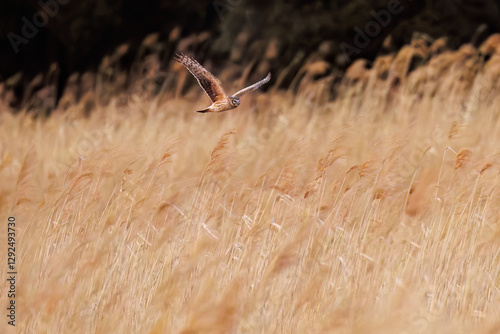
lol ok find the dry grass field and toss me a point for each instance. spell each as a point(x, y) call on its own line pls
point(377, 212)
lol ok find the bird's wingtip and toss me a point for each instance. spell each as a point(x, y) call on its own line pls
point(178, 55)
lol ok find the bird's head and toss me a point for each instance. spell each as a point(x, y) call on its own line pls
point(234, 100)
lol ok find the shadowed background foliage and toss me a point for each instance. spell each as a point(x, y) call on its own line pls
point(81, 33)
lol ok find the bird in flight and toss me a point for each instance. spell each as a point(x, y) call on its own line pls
point(213, 87)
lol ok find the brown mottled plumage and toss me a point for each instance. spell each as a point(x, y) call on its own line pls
point(213, 87)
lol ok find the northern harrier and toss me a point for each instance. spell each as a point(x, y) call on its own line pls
point(213, 87)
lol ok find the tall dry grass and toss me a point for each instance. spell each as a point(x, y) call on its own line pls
point(374, 213)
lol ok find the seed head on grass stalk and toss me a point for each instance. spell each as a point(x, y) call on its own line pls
point(218, 163)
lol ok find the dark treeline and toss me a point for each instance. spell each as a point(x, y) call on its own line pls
point(76, 35)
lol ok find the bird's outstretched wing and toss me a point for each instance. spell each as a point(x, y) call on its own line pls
point(254, 86)
point(210, 84)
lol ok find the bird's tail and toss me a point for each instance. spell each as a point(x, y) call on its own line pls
point(203, 110)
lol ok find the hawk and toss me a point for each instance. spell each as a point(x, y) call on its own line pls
point(213, 87)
